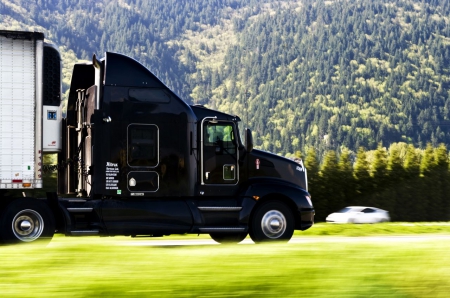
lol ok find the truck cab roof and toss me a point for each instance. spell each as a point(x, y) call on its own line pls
point(201, 112)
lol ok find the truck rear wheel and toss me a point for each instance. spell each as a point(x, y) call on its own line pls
point(272, 221)
point(26, 220)
point(228, 237)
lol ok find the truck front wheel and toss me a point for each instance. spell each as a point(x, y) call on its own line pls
point(228, 238)
point(26, 220)
point(272, 221)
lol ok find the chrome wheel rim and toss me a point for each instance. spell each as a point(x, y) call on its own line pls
point(27, 225)
point(273, 224)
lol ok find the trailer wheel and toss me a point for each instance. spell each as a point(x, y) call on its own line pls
point(26, 220)
point(272, 221)
point(228, 238)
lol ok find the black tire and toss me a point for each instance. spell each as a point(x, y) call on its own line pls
point(25, 221)
point(272, 221)
point(228, 238)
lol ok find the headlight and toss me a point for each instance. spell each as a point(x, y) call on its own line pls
point(309, 200)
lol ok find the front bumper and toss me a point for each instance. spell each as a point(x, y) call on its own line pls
point(306, 219)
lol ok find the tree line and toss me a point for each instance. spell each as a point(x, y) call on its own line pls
point(411, 183)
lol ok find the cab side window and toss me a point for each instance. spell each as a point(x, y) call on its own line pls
point(220, 135)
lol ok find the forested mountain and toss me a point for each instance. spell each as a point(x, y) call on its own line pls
point(328, 74)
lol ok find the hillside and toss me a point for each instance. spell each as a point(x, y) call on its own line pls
point(328, 74)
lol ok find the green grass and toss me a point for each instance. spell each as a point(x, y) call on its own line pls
point(112, 267)
point(391, 228)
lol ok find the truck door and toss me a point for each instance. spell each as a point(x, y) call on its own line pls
point(219, 153)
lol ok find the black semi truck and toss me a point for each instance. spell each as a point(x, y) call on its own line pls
point(133, 158)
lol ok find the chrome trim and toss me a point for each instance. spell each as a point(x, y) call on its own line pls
point(27, 225)
point(273, 224)
point(306, 178)
point(39, 80)
point(80, 210)
point(202, 170)
point(201, 148)
point(85, 233)
point(98, 80)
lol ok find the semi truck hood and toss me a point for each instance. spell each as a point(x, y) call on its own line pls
point(265, 164)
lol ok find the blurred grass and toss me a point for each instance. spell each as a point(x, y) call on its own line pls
point(390, 228)
point(110, 267)
point(121, 266)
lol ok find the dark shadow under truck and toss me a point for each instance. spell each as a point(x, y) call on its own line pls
point(137, 160)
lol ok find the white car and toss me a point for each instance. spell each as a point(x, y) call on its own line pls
point(359, 214)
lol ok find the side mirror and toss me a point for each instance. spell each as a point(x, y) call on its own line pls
point(248, 140)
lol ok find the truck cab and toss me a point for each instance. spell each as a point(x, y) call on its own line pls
point(150, 164)
point(135, 159)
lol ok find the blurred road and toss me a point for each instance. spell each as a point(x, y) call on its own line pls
point(294, 240)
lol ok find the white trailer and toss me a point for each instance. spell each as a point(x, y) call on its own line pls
point(22, 108)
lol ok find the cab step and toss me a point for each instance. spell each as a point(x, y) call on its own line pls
point(85, 233)
point(76, 201)
point(80, 209)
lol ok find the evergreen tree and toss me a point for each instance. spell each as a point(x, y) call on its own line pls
point(379, 178)
point(347, 179)
point(379, 167)
point(411, 204)
point(363, 179)
point(439, 205)
point(428, 187)
point(396, 187)
point(312, 168)
point(331, 187)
